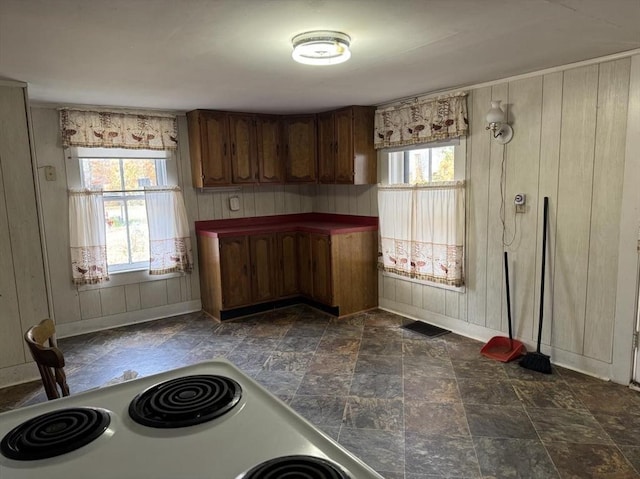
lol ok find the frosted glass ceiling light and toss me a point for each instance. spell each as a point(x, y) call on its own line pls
point(321, 47)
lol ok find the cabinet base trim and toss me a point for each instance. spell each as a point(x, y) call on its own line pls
point(277, 304)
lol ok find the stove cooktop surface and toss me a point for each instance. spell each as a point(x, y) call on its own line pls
point(239, 431)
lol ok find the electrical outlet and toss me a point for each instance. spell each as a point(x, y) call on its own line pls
point(234, 203)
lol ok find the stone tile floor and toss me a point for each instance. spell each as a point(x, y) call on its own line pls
point(410, 406)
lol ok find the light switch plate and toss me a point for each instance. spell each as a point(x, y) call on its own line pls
point(234, 203)
point(49, 173)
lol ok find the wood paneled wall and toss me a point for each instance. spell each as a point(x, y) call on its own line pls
point(23, 294)
point(569, 144)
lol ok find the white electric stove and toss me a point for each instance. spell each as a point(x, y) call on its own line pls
point(209, 420)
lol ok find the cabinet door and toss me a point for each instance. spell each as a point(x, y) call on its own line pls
point(321, 268)
point(300, 137)
point(326, 149)
point(244, 159)
point(214, 137)
point(288, 267)
point(263, 283)
point(234, 270)
point(269, 138)
point(305, 275)
point(344, 166)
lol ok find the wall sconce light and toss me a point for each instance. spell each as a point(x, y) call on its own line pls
point(501, 131)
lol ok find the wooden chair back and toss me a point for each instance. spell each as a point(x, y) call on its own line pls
point(49, 358)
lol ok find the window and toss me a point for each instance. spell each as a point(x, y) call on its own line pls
point(442, 162)
point(122, 175)
point(421, 210)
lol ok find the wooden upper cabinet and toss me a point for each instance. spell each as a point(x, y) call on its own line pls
point(234, 269)
point(300, 146)
point(346, 152)
point(244, 151)
point(326, 148)
point(269, 140)
point(209, 148)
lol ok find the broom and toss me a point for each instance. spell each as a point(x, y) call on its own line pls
point(536, 361)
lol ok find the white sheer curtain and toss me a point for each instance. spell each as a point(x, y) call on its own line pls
point(87, 236)
point(169, 239)
point(422, 231)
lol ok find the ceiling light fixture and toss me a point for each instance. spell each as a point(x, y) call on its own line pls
point(321, 47)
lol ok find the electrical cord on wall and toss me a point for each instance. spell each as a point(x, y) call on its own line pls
point(503, 180)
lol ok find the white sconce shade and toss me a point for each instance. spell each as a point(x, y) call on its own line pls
point(495, 115)
point(321, 47)
point(501, 131)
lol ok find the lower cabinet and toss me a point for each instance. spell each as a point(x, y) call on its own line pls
point(338, 271)
point(289, 259)
point(234, 269)
point(263, 268)
point(315, 267)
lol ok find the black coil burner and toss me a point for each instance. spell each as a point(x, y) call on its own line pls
point(185, 401)
point(54, 433)
point(298, 467)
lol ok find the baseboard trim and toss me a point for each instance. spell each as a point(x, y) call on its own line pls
point(21, 373)
point(84, 326)
point(559, 357)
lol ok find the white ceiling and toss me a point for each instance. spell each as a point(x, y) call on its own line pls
point(236, 54)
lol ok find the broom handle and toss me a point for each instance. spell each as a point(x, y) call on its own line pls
point(544, 252)
point(506, 273)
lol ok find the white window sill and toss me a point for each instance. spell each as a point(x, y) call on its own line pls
point(122, 278)
point(457, 289)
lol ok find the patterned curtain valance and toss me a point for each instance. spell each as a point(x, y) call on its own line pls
point(423, 121)
point(105, 129)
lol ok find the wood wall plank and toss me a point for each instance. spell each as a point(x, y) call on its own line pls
point(55, 211)
point(478, 199)
point(522, 176)
point(132, 297)
point(613, 97)
point(192, 291)
point(22, 214)
point(11, 349)
point(265, 200)
point(153, 294)
point(112, 301)
point(575, 177)
point(548, 186)
point(494, 256)
point(433, 299)
point(452, 304)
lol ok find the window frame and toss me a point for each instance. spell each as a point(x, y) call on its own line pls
point(74, 180)
point(459, 173)
point(459, 159)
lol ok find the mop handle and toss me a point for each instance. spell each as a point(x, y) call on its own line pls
point(506, 273)
point(544, 251)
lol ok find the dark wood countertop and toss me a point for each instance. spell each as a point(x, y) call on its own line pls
point(322, 223)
